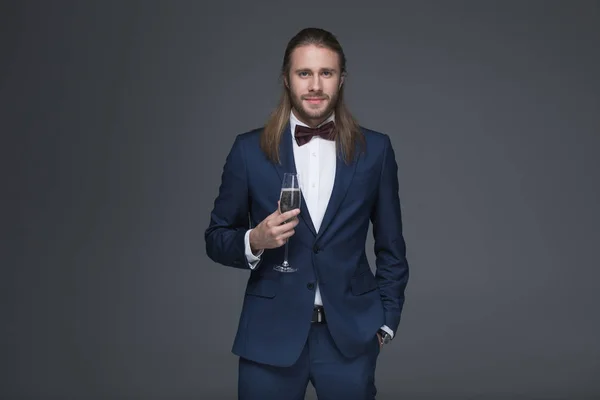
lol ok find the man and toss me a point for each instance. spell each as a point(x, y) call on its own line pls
point(326, 322)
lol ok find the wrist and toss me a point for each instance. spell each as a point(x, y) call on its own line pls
point(384, 337)
point(252, 239)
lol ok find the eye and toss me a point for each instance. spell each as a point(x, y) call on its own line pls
point(327, 73)
point(303, 74)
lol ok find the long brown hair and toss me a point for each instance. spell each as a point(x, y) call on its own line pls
point(347, 130)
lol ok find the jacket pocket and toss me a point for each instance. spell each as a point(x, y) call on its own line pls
point(261, 288)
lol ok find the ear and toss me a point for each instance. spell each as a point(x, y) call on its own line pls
point(342, 80)
point(285, 82)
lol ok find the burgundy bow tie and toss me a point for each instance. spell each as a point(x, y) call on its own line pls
point(303, 134)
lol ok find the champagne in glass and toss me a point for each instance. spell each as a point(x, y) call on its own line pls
point(289, 200)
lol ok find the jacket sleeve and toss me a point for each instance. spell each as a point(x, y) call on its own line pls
point(229, 218)
point(392, 269)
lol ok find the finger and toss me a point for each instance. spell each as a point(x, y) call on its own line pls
point(288, 215)
point(277, 232)
point(281, 239)
point(272, 219)
point(286, 234)
point(284, 226)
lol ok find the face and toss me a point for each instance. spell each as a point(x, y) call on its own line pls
point(314, 82)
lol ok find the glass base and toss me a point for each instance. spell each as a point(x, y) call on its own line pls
point(284, 267)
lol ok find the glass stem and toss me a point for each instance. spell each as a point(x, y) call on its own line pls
point(285, 259)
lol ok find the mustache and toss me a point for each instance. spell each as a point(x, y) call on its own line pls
point(321, 96)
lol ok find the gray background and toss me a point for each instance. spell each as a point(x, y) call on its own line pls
point(116, 118)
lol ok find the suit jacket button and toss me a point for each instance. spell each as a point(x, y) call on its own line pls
point(310, 286)
point(315, 249)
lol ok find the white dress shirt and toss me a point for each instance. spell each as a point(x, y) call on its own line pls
point(315, 166)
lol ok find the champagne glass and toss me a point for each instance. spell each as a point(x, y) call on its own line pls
point(289, 199)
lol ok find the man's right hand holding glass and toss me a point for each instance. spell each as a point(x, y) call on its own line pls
point(273, 231)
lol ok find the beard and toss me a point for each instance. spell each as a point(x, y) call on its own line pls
point(311, 115)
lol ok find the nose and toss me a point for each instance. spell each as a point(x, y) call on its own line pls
point(315, 83)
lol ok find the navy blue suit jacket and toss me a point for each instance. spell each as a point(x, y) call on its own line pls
point(277, 307)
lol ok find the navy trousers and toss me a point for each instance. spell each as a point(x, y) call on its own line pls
point(333, 376)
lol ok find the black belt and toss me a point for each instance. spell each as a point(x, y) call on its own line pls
point(318, 315)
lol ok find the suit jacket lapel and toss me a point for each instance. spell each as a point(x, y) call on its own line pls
point(288, 164)
point(343, 177)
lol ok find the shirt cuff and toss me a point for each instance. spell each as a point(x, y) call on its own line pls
point(253, 260)
point(388, 330)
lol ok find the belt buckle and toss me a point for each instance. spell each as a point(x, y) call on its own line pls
point(319, 316)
